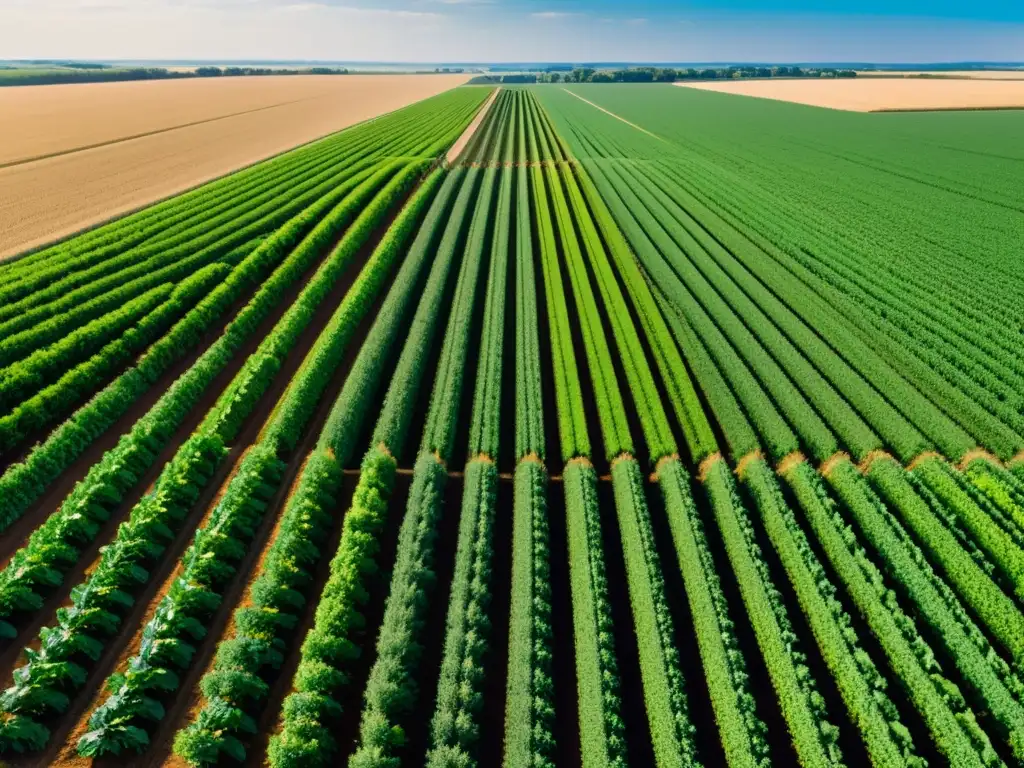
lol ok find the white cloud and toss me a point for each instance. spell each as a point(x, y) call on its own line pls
point(637, 21)
point(302, 7)
point(552, 14)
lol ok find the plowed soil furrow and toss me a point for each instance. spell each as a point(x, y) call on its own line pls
point(163, 573)
point(222, 628)
point(281, 681)
point(16, 535)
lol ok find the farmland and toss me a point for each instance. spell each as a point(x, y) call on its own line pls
point(885, 94)
point(591, 425)
point(75, 155)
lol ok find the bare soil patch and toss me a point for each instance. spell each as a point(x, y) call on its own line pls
point(881, 94)
point(110, 148)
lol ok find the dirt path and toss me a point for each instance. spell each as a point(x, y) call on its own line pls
point(617, 117)
point(467, 135)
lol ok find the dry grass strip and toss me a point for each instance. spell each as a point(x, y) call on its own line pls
point(871, 458)
point(978, 454)
point(833, 461)
point(790, 461)
point(656, 474)
point(746, 460)
point(708, 464)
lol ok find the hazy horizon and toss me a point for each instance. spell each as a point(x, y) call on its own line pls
point(510, 31)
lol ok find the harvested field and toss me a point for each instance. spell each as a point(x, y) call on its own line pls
point(881, 94)
point(986, 74)
point(195, 130)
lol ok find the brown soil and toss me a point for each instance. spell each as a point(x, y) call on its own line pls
point(789, 462)
point(880, 94)
point(1016, 459)
point(622, 457)
point(978, 454)
point(745, 461)
point(919, 459)
point(832, 462)
point(871, 457)
point(707, 464)
point(655, 475)
point(111, 148)
point(467, 135)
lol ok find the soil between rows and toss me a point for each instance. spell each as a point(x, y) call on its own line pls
point(17, 535)
point(146, 602)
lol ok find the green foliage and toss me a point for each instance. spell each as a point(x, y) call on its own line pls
point(999, 545)
point(997, 611)
point(653, 419)
point(99, 604)
point(611, 410)
point(455, 728)
point(486, 419)
point(987, 675)
point(743, 734)
point(952, 725)
point(227, 417)
point(352, 405)
point(664, 687)
point(602, 732)
point(395, 414)
point(305, 738)
point(391, 690)
point(446, 396)
point(814, 737)
point(49, 402)
point(860, 684)
point(234, 687)
point(572, 425)
point(168, 638)
point(529, 713)
point(529, 399)
point(286, 426)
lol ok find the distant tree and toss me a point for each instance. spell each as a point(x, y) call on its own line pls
point(209, 72)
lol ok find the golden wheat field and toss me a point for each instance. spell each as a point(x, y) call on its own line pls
point(72, 156)
point(880, 94)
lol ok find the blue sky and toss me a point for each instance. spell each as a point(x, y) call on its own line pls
point(516, 30)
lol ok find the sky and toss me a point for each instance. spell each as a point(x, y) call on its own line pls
point(517, 30)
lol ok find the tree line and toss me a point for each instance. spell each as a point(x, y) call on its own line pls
point(660, 74)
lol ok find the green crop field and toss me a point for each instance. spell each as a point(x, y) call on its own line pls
point(658, 427)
